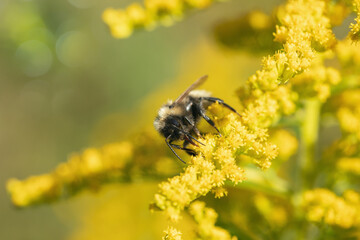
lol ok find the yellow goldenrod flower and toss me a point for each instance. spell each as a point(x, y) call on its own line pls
point(263, 108)
point(89, 169)
point(206, 218)
point(317, 81)
point(219, 192)
point(348, 53)
point(345, 147)
point(355, 27)
point(123, 21)
point(216, 163)
point(137, 14)
point(322, 205)
point(349, 119)
point(259, 20)
point(349, 165)
point(281, 136)
point(119, 22)
point(337, 12)
point(348, 111)
point(303, 23)
point(42, 188)
point(172, 234)
point(347, 99)
point(199, 3)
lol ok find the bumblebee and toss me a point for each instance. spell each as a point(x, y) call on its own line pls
point(177, 120)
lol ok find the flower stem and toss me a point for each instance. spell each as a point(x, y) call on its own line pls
point(309, 138)
point(305, 177)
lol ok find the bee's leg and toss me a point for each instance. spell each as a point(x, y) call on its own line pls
point(189, 151)
point(200, 110)
point(220, 101)
point(170, 146)
point(196, 130)
point(202, 113)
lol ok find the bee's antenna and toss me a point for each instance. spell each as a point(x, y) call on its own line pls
point(169, 145)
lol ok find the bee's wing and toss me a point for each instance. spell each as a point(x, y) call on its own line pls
point(197, 83)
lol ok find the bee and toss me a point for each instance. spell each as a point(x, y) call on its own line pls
point(177, 120)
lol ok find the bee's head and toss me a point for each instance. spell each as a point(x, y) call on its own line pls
point(168, 124)
point(172, 121)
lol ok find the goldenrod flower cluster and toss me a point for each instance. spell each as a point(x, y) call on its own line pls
point(345, 152)
point(217, 163)
point(337, 11)
point(349, 165)
point(281, 136)
point(349, 55)
point(303, 24)
point(206, 218)
point(317, 82)
point(42, 188)
point(323, 206)
point(87, 170)
point(122, 22)
point(348, 112)
point(115, 162)
point(294, 87)
point(263, 108)
point(172, 234)
point(355, 27)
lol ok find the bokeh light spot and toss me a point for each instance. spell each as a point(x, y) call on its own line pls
point(34, 58)
point(72, 50)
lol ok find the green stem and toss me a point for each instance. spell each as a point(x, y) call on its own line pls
point(309, 139)
point(305, 177)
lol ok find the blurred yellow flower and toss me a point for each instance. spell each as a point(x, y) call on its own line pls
point(355, 27)
point(38, 188)
point(317, 81)
point(87, 170)
point(348, 53)
point(281, 136)
point(122, 22)
point(322, 205)
point(172, 234)
point(119, 22)
point(348, 111)
point(206, 218)
point(349, 165)
point(137, 14)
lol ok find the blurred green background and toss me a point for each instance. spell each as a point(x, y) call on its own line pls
point(62, 75)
